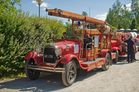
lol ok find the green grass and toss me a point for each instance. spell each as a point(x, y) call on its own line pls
point(13, 76)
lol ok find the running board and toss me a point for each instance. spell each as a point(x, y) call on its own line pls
point(90, 65)
point(47, 69)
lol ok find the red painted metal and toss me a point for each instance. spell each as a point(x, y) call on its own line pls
point(74, 49)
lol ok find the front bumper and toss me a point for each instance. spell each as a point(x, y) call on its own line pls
point(44, 68)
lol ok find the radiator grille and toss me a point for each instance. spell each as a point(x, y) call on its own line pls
point(49, 55)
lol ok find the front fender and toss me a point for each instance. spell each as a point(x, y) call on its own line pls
point(104, 52)
point(67, 58)
point(31, 55)
point(115, 48)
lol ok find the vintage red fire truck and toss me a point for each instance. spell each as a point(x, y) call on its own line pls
point(119, 46)
point(90, 50)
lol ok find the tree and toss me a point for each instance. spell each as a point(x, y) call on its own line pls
point(119, 16)
point(133, 24)
point(135, 7)
point(135, 10)
point(126, 17)
point(114, 14)
point(8, 5)
point(84, 13)
point(20, 33)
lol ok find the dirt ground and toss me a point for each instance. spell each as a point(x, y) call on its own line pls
point(121, 77)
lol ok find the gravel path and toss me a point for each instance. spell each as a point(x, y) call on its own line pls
point(121, 77)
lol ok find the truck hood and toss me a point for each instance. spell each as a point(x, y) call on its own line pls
point(63, 44)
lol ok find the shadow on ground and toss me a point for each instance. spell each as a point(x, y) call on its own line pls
point(46, 82)
point(122, 61)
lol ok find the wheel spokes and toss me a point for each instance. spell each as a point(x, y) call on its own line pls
point(72, 73)
point(108, 61)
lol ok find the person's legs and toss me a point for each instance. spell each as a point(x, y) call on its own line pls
point(128, 57)
point(132, 56)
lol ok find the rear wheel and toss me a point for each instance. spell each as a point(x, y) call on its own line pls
point(117, 57)
point(31, 74)
point(70, 74)
point(107, 63)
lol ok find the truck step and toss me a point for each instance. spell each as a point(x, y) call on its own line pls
point(93, 61)
point(89, 65)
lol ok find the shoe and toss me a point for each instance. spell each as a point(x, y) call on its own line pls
point(128, 61)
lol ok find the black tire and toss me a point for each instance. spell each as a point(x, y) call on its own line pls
point(108, 62)
point(31, 74)
point(117, 57)
point(70, 74)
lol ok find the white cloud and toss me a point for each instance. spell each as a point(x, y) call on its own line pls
point(128, 6)
point(104, 15)
point(101, 16)
point(34, 2)
point(43, 5)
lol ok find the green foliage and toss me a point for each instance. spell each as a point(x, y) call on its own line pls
point(8, 5)
point(20, 33)
point(133, 24)
point(120, 17)
point(114, 14)
point(135, 14)
point(84, 13)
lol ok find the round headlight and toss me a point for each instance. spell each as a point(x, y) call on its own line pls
point(39, 50)
point(58, 51)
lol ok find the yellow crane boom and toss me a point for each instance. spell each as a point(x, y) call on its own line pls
point(74, 16)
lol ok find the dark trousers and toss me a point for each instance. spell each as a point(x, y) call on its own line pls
point(134, 56)
point(130, 56)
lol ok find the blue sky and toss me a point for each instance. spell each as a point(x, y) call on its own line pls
point(98, 8)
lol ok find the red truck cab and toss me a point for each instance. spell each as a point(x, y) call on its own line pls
point(66, 56)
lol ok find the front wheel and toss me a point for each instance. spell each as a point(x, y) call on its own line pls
point(70, 74)
point(107, 63)
point(117, 57)
point(31, 74)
